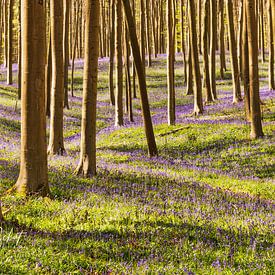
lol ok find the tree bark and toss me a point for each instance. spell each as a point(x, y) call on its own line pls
point(256, 123)
point(119, 67)
point(198, 104)
point(87, 163)
point(33, 177)
point(233, 53)
point(56, 141)
point(149, 132)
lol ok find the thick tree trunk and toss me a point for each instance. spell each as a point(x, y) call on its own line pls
point(33, 177)
point(56, 141)
point(87, 163)
point(152, 147)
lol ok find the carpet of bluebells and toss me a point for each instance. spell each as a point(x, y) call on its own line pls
point(204, 206)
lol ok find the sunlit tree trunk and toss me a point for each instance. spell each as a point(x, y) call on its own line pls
point(245, 65)
point(149, 132)
point(33, 177)
point(256, 123)
point(10, 42)
point(233, 53)
point(221, 38)
point(213, 42)
point(198, 104)
point(119, 66)
point(112, 52)
point(206, 77)
point(87, 163)
point(56, 141)
point(67, 8)
point(271, 48)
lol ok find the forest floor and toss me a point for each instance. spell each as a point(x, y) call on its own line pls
point(204, 206)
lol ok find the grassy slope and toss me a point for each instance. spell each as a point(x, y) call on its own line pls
point(204, 206)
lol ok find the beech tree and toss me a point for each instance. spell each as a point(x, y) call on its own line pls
point(256, 122)
point(149, 132)
point(119, 66)
point(33, 177)
point(56, 142)
point(198, 104)
point(87, 163)
point(170, 65)
point(233, 53)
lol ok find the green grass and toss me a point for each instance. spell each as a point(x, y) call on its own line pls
point(205, 205)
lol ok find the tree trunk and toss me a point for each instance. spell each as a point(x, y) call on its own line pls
point(170, 65)
point(67, 7)
point(10, 42)
point(271, 48)
point(119, 67)
point(206, 76)
point(152, 147)
point(245, 65)
point(213, 42)
point(87, 163)
point(233, 53)
point(256, 123)
point(198, 104)
point(221, 36)
point(33, 177)
point(56, 141)
point(112, 52)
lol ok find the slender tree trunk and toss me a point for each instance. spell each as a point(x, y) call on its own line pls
point(245, 65)
point(198, 104)
point(87, 163)
point(152, 147)
point(48, 77)
point(189, 88)
point(10, 42)
point(112, 52)
point(148, 33)
point(240, 33)
point(129, 107)
point(119, 67)
point(233, 53)
point(183, 40)
point(256, 123)
point(67, 8)
point(142, 31)
point(206, 76)
point(56, 141)
point(213, 42)
point(221, 36)
point(271, 48)
point(170, 65)
point(19, 52)
point(33, 177)
point(262, 29)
